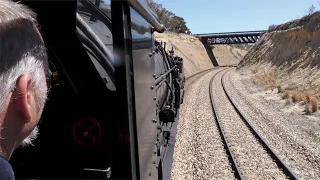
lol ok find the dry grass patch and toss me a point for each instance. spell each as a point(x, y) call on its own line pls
point(310, 108)
point(296, 96)
point(286, 95)
point(314, 104)
point(269, 80)
point(266, 78)
point(307, 99)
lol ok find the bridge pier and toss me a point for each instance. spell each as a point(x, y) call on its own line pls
point(209, 51)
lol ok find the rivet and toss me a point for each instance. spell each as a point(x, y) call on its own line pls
point(154, 120)
point(151, 87)
point(154, 162)
point(155, 152)
point(149, 173)
point(105, 80)
point(157, 166)
point(155, 98)
point(150, 54)
point(154, 75)
point(153, 52)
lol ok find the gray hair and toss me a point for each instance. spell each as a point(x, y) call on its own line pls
point(22, 50)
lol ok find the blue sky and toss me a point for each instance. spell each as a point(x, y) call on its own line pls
point(206, 16)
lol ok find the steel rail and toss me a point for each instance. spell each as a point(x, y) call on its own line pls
point(231, 158)
point(200, 72)
point(194, 77)
point(207, 70)
point(287, 171)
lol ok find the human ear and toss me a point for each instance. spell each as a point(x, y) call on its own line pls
point(23, 96)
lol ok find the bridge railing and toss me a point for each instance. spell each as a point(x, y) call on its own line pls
point(229, 34)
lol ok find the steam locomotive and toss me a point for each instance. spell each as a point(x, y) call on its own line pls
point(115, 94)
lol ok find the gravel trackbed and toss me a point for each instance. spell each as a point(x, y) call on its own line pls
point(199, 150)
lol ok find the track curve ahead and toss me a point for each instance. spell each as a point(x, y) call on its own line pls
point(281, 165)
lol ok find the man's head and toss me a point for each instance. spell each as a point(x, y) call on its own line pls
point(23, 68)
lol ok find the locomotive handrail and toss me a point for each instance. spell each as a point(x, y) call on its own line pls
point(98, 11)
point(145, 12)
point(96, 45)
point(163, 76)
point(93, 37)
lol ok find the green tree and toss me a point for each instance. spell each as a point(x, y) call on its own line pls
point(178, 24)
point(171, 21)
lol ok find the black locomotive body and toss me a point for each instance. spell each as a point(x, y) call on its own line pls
point(114, 102)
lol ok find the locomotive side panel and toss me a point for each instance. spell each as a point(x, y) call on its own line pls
point(144, 93)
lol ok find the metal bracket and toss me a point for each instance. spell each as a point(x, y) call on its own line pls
point(107, 171)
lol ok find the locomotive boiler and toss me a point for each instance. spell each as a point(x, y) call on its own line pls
point(115, 94)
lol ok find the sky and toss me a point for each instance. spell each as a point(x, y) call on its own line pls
point(210, 16)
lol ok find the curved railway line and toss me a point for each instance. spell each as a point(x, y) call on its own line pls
point(240, 163)
point(192, 78)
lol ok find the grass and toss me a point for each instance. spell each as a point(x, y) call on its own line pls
point(314, 139)
point(286, 95)
point(268, 79)
point(309, 100)
point(314, 104)
point(296, 97)
point(306, 97)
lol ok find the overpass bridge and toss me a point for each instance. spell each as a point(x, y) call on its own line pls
point(230, 37)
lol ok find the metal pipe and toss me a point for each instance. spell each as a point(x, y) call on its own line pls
point(145, 12)
point(86, 29)
point(170, 89)
point(102, 59)
point(163, 76)
point(97, 11)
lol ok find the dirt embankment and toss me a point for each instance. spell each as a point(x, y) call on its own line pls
point(195, 56)
point(228, 54)
point(287, 57)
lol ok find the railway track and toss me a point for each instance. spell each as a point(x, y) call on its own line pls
point(199, 73)
point(191, 79)
point(249, 154)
